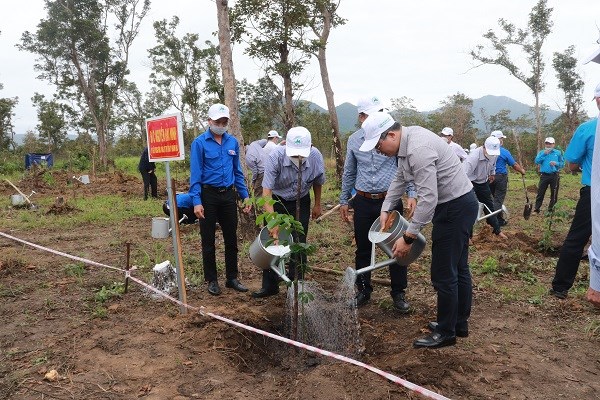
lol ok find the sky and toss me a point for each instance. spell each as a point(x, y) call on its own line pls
point(387, 48)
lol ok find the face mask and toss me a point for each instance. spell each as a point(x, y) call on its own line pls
point(218, 130)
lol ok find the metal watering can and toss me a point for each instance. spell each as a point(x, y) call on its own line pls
point(267, 255)
point(483, 209)
point(85, 179)
point(385, 241)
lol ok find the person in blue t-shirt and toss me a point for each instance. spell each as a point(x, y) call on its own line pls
point(579, 154)
point(185, 206)
point(551, 162)
point(499, 185)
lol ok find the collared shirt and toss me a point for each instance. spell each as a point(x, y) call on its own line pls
point(215, 164)
point(581, 149)
point(478, 167)
point(367, 171)
point(255, 157)
point(458, 150)
point(281, 174)
point(269, 146)
point(503, 159)
point(428, 161)
point(183, 200)
point(594, 249)
point(544, 161)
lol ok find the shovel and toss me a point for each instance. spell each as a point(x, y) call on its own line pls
point(528, 205)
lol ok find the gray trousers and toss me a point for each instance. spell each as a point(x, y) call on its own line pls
point(499, 188)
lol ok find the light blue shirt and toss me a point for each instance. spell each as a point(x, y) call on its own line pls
point(503, 159)
point(594, 249)
point(215, 164)
point(281, 174)
point(544, 160)
point(255, 157)
point(581, 149)
point(367, 171)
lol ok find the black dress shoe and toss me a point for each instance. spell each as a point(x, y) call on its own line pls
point(236, 285)
point(362, 298)
point(400, 303)
point(213, 288)
point(265, 293)
point(459, 332)
point(434, 341)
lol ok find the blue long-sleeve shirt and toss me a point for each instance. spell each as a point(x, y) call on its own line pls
point(581, 149)
point(215, 164)
point(544, 160)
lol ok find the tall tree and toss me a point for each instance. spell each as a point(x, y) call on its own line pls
point(75, 53)
point(456, 113)
point(530, 41)
point(188, 73)
point(325, 17)
point(275, 32)
point(260, 108)
point(570, 82)
point(7, 133)
point(52, 126)
point(407, 114)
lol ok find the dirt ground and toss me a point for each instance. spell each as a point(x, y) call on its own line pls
point(143, 348)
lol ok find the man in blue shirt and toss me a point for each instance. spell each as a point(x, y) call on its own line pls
point(499, 185)
point(214, 173)
point(280, 182)
point(579, 154)
point(185, 206)
point(551, 162)
point(370, 173)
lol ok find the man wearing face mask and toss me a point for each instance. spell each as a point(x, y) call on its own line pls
point(480, 166)
point(551, 162)
point(280, 182)
point(216, 178)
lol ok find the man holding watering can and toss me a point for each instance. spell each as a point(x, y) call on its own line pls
point(446, 198)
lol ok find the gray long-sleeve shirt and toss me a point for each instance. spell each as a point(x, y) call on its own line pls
point(426, 159)
point(478, 167)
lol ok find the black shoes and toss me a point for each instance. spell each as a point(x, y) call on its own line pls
point(400, 303)
point(235, 285)
point(559, 294)
point(362, 298)
point(434, 341)
point(459, 332)
point(213, 288)
point(265, 292)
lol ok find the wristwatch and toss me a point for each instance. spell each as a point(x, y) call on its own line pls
point(408, 239)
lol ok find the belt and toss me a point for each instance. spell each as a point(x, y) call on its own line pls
point(549, 173)
point(374, 196)
point(218, 189)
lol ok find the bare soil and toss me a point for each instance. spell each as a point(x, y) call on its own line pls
point(142, 348)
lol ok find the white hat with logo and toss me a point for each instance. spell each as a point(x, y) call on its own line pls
point(298, 142)
point(492, 146)
point(549, 140)
point(273, 134)
point(374, 126)
point(498, 134)
point(448, 131)
point(369, 105)
point(217, 111)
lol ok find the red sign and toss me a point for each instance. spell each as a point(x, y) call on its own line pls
point(165, 138)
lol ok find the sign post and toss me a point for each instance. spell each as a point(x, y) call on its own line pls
point(165, 143)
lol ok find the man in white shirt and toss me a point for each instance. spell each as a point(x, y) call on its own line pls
point(272, 140)
point(448, 134)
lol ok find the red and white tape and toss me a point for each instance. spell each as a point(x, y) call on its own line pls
point(407, 384)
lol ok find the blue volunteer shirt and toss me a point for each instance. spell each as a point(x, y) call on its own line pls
point(581, 149)
point(503, 159)
point(215, 164)
point(544, 160)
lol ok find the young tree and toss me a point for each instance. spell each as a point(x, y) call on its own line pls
point(260, 108)
point(530, 42)
point(570, 82)
point(75, 52)
point(7, 134)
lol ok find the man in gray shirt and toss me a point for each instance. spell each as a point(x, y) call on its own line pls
point(445, 198)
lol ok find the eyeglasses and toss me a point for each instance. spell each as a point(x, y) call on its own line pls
point(381, 139)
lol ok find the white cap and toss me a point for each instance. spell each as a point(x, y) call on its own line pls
point(298, 142)
point(549, 140)
point(498, 134)
point(447, 131)
point(597, 91)
point(217, 111)
point(473, 146)
point(374, 126)
point(273, 134)
point(369, 105)
point(492, 146)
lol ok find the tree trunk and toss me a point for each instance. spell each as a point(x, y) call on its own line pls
point(538, 122)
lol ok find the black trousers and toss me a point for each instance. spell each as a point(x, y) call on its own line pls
point(499, 188)
point(484, 195)
point(545, 181)
point(283, 206)
point(572, 248)
point(150, 182)
point(450, 274)
point(366, 211)
point(219, 207)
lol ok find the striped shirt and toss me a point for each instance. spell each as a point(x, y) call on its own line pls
point(426, 159)
point(281, 174)
point(367, 171)
point(478, 167)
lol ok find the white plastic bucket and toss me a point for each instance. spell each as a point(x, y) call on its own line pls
point(17, 200)
point(160, 227)
point(85, 179)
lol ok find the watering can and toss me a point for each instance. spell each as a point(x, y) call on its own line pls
point(20, 199)
point(385, 241)
point(85, 179)
point(265, 254)
point(161, 227)
point(481, 214)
